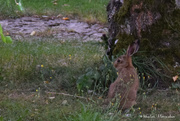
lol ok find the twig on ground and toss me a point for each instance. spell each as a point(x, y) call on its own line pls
point(75, 96)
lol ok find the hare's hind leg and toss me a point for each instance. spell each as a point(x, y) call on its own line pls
point(127, 104)
point(129, 101)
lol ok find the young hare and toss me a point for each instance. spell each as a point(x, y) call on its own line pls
point(125, 87)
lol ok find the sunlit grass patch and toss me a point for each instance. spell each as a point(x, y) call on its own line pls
point(89, 10)
point(20, 60)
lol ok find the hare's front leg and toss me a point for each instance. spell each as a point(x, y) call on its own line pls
point(112, 91)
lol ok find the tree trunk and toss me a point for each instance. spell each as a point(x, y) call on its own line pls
point(155, 22)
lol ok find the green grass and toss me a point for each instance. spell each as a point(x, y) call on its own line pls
point(62, 61)
point(23, 93)
point(29, 107)
point(88, 10)
point(23, 105)
point(30, 68)
point(21, 70)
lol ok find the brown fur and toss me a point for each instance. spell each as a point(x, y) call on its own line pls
point(125, 87)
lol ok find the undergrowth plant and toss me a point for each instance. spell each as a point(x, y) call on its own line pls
point(85, 114)
point(5, 39)
point(20, 6)
point(99, 78)
point(149, 71)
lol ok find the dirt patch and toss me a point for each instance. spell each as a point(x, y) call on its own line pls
point(32, 27)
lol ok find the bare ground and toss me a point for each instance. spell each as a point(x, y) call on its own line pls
point(49, 27)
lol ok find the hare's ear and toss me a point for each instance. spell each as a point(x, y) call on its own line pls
point(133, 48)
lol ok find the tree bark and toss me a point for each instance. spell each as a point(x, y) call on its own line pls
point(155, 22)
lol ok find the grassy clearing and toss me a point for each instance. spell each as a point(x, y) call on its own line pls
point(30, 107)
point(31, 68)
point(88, 10)
point(158, 106)
point(62, 61)
point(28, 69)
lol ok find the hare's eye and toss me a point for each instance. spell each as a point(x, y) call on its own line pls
point(118, 60)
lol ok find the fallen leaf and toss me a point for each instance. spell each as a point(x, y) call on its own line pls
point(64, 102)
point(100, 98)
point(46, 82)
point(65, 18)
point(46, 102)
point(33, 33)
point(7, 34)
point(175, 78)
point(66, 5)
point(51, 98)
point(55, 3)
point(59, 16)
